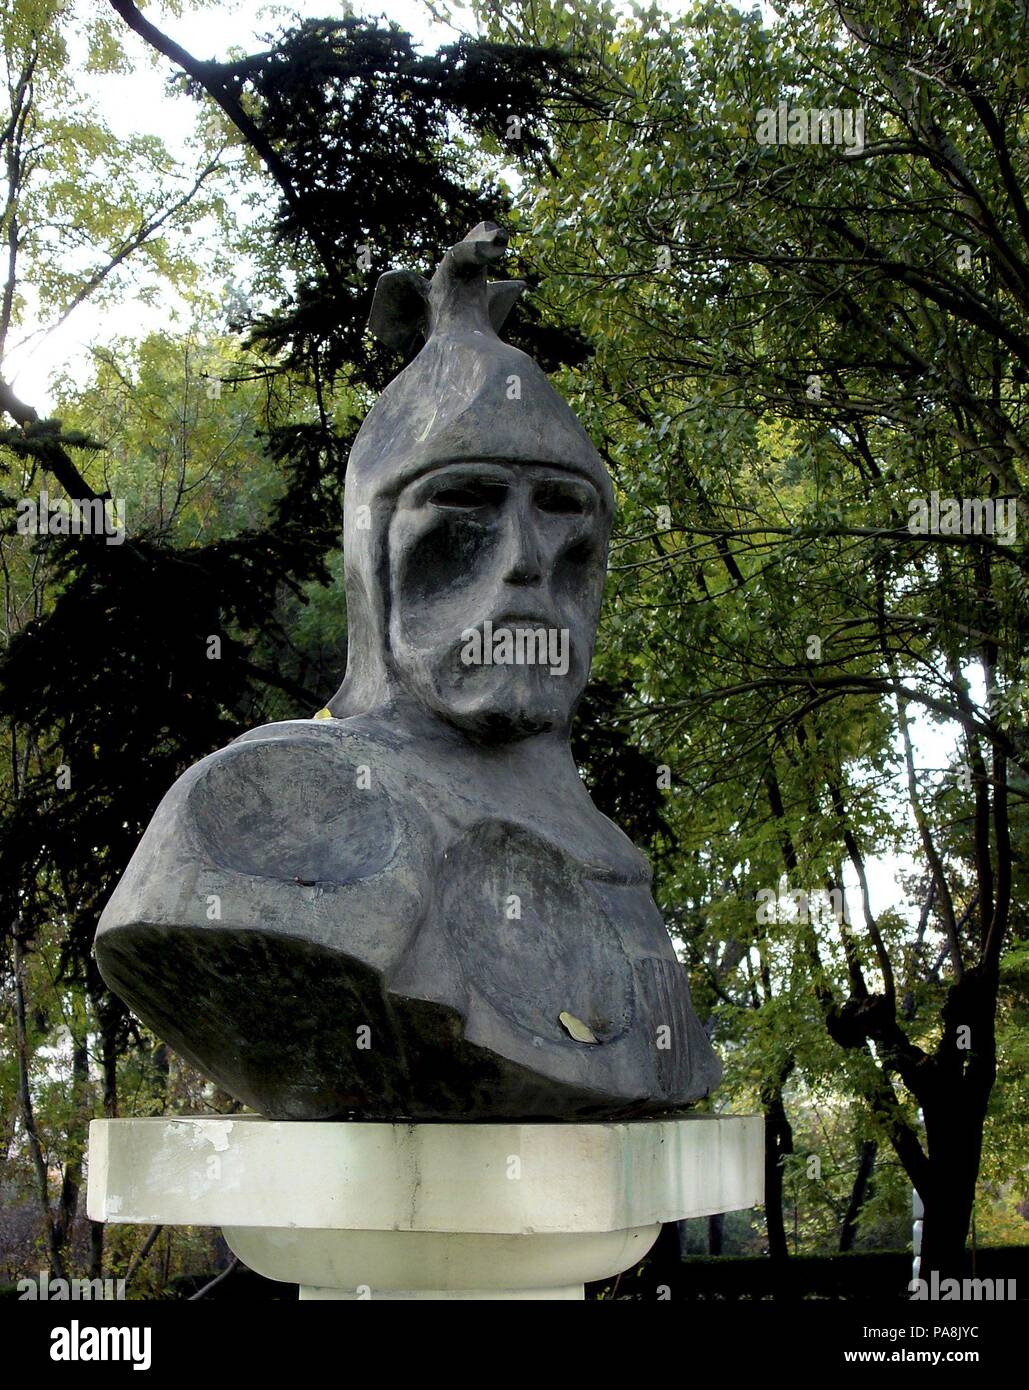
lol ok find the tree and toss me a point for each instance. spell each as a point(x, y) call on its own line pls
point(125, 663)
point(79, 207)
point(795, 348)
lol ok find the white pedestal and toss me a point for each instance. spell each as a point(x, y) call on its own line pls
point(350, 1210)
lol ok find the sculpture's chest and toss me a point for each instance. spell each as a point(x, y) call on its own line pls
point(521, 927)
point(390, 959)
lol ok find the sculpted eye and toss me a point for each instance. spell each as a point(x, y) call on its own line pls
point(581, 553)
point(467, 496)
point(561, 501)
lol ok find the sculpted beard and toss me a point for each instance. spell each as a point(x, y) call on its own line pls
point(490, 698)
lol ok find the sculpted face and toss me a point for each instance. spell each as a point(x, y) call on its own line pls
point(496, 577)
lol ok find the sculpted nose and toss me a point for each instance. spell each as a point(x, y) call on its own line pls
point(523, 560)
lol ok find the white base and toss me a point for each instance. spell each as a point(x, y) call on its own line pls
point(429, 1264)
point(431, 1211)
point(570, 1292)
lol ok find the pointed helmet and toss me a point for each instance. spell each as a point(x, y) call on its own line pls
point(466, 397)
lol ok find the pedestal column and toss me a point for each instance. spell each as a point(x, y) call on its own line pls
point(353, 1210)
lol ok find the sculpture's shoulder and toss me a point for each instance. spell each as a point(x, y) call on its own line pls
point(297, 805)
point(308, 799)
point(326, 756)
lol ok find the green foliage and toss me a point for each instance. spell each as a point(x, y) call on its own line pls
point(221, 607)
point(777, 348)
point(790, 345)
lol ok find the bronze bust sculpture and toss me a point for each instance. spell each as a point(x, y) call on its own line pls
point(412, 909)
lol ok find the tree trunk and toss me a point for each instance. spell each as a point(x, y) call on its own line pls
point(106, 1012)
point(71, 1182)
point(664, 1263)
point(96, 1250)
point(859, 1193)
point(715, 1233)
point(954, 1138)
point(778, 1143)
point(162, 1069)
point(109, 1062)
point(954, 1110)
point(28, 1117)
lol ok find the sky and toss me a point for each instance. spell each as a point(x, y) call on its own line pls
point(139, 103)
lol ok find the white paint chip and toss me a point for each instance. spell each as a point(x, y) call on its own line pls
point(216, 1132)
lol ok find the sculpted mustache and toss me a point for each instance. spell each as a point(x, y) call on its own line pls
point(523, 645)
point(512, 621)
